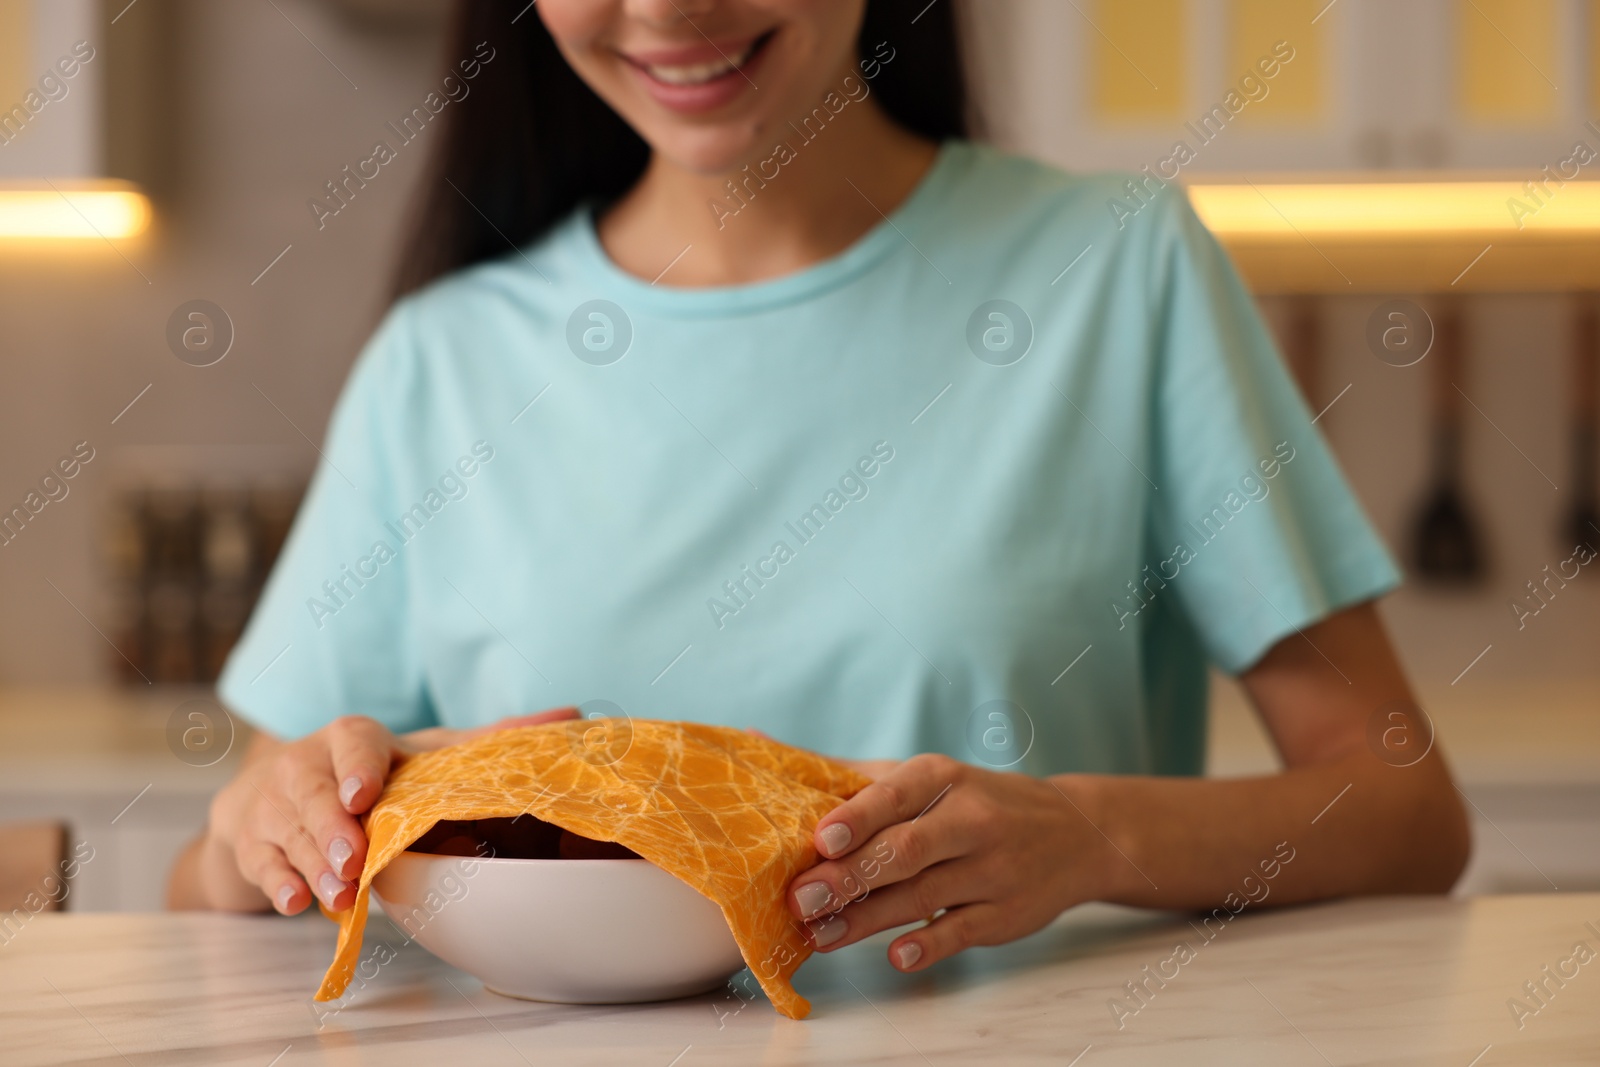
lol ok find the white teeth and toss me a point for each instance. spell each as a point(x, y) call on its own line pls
point(699, 73)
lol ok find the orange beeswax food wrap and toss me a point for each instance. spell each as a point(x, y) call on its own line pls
point(729, 812)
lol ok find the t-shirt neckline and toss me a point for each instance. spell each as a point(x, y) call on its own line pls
point(890, 233)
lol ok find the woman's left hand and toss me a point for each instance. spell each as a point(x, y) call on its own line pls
point(1000, 854)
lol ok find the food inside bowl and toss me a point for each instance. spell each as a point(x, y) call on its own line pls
point(520, 838)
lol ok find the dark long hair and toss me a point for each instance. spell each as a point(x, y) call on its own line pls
point(532, 141)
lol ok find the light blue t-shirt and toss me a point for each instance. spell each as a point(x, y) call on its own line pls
point(996, 481)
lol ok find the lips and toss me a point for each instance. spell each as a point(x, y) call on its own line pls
point(692, 73)
point(699, 77)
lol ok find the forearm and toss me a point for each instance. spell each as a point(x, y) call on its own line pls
point(1183, 843)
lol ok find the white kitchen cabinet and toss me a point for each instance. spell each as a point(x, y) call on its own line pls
point(98, 760)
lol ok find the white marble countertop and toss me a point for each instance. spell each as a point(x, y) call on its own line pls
point(1380, 981)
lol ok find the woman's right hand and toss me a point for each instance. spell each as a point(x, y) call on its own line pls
point(288, 825)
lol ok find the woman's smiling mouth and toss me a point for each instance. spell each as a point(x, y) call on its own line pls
point(700, 77)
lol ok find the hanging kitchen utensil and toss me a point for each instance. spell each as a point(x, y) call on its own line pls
point(1446, 545)
point(1582, 525)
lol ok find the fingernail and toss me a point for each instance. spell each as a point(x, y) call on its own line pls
point(908, 954)
point(830, 931)
point(285, 894)
point(339, 853)
point(348, 790)
point(835, 839)
point(813, 897)
point(330, 886)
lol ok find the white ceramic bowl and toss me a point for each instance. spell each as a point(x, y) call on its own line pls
point(570, 931)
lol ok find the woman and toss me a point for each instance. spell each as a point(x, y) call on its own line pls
point(755, 395)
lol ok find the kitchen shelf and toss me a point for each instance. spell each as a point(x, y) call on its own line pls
point(1422, 233)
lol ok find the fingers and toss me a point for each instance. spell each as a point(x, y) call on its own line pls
point(306, 808)
point(901, 852)
point(330, 830)
point(950, 895)
point(947, 885)
point(276, 824)
point(266, 866)
point(361, 751)
point(884, 839)
point(290, 826)
point(955, 930)
point(899, 796)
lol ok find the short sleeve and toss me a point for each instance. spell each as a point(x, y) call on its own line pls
point(330, 635)
point(1252, 521)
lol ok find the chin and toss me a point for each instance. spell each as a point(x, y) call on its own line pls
point(710, 152)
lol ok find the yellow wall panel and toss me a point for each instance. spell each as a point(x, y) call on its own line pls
point(1255, 27)
point(1506, 59)
point(1139, 69)
point(16, 50)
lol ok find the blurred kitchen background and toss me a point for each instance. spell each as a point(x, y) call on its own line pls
point(175, 326)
